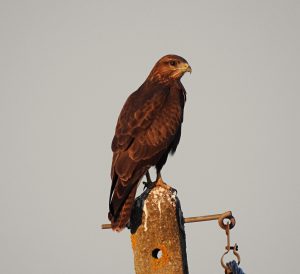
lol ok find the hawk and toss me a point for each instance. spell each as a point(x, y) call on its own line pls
point(147, 130)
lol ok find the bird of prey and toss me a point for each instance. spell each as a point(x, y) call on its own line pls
point(148, 129)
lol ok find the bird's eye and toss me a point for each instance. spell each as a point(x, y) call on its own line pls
point(173, 63)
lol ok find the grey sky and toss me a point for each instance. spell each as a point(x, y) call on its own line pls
point(67, 68)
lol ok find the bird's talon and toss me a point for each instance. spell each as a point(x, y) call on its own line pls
point(149, 185)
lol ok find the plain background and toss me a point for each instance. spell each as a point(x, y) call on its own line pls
point(67, 68)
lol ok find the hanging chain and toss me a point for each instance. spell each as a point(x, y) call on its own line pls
point(229, 247)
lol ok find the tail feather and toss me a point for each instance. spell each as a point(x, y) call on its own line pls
point(120, 220)
point(119, 196)
point(122, 198)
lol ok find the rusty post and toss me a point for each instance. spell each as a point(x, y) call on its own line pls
point(157, 233)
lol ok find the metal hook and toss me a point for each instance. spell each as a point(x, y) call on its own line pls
point(228, 247)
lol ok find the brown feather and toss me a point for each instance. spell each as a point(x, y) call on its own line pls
point(119, 223)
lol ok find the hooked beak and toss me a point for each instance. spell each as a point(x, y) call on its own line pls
point(187, 68)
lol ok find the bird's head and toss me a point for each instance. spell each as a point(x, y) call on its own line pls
point(169, 67)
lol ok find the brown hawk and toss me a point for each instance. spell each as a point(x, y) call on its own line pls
point(148, 129)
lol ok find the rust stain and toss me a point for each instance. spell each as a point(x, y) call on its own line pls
point(133, 241)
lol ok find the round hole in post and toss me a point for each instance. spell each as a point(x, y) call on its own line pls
point(157, 253)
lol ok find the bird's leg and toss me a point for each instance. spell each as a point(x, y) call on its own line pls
point(159, 178)
point(158, 182)
point(148, 177)
point(149, 183)
point(161, 183)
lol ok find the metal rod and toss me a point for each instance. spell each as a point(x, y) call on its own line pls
point(220, 217)
point(202, 218)
point(106, 226)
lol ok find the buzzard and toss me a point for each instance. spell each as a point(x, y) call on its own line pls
point(148, 129)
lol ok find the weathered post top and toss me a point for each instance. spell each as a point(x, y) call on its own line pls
point(157, 233)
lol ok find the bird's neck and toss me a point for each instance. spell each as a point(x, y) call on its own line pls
point(166, 81)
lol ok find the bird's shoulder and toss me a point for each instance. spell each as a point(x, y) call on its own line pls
point(143, 103)
point(138, 112)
